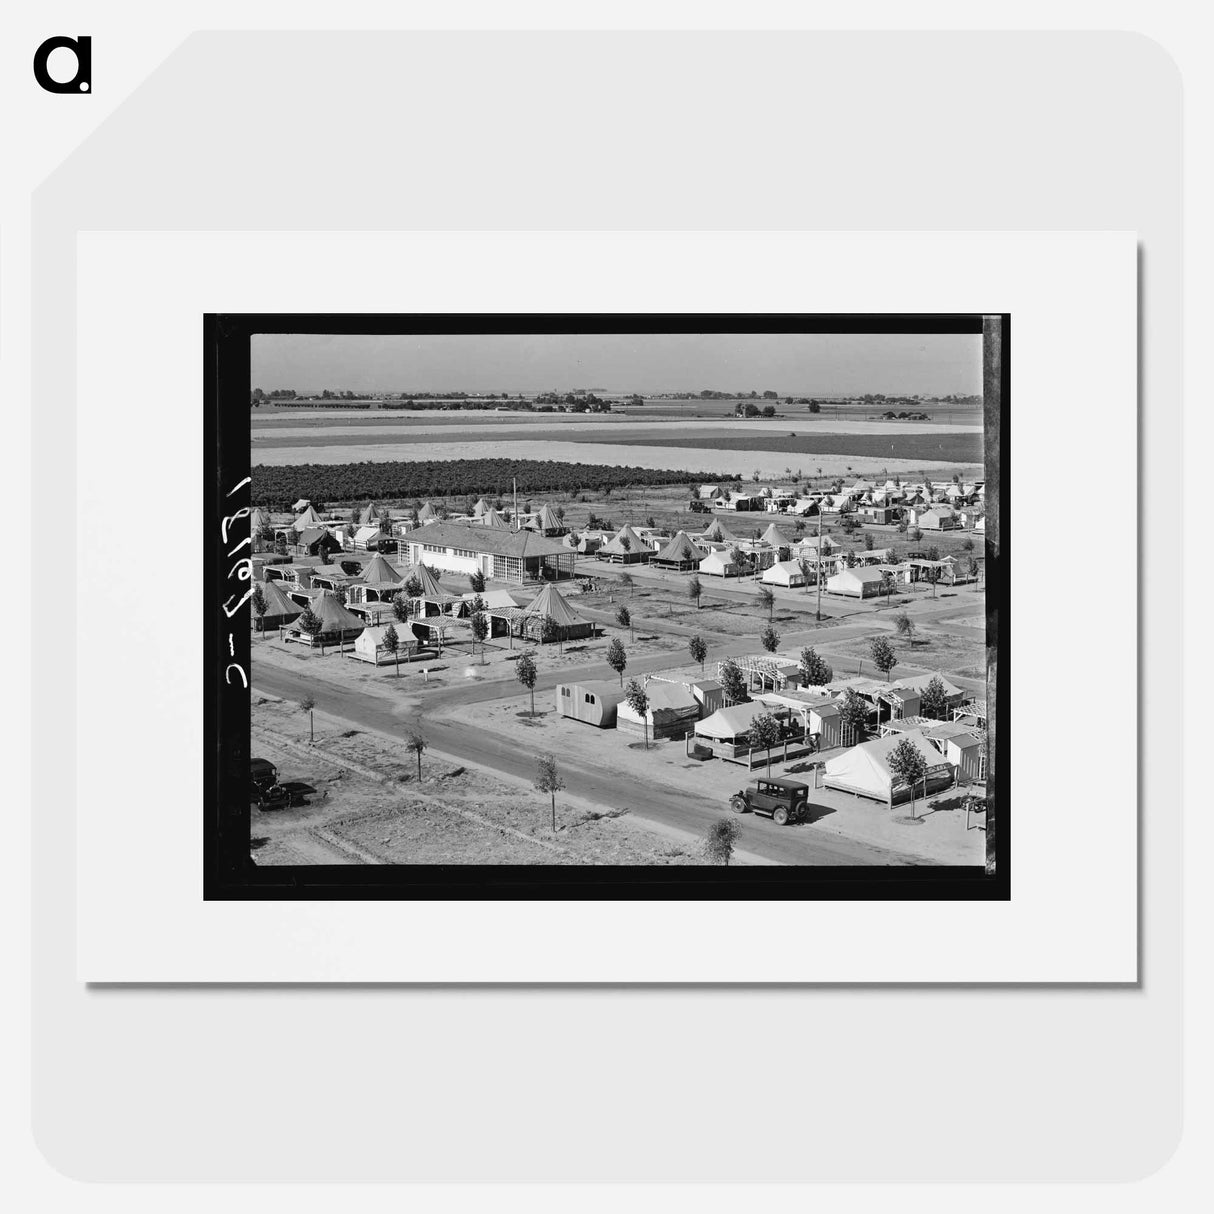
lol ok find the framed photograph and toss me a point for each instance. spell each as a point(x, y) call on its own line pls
point(515, 607)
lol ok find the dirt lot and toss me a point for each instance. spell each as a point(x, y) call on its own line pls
point(932, 649)
point(364, 804)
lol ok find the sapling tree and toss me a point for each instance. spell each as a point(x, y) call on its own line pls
point(260, 607)
point(694, 590)
point(526, 672)
point(698, 650)
point(391, 642)
point(815, 671)
point(617, 657)
point(308, 704)
point(417, 743)
point(476, 580)
point(638, 701)
point(883, 655)
point(907, 763)
point(629, 582)
point(480, 625)
point(853, 712)
point(623, 617)
point(764, 733)
point(905, 627)
point(548, 780)
point(933, 699)
point(767, 600)
point(770, 639)
point(733, 682)
point(721, 840)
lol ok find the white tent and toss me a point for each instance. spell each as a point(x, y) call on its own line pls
point(718, 564)
point(784, 573)
point(864, 769)
point(728, 723)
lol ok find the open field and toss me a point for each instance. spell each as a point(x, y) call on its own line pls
point(962, 447)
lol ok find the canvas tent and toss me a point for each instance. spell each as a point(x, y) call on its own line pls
point(369, 514)
point(369, 645)
point(672, 713)
point(308, 520)
point(730, 724)
point(856, 583)
point(717, 533)
point(626, 547)
point(784, 573)
point(337, 624)
point(480, 508)
point(427, 514)
point(279, 608)
point(718, 564)
point(493, 518)
point(864, 770)
point(773, 537)
point(546, 522)
point(680, 553)
point(364, 537)
point(549, 604)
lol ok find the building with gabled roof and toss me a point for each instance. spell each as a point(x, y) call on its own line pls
point(516, 557)
point(679, 554)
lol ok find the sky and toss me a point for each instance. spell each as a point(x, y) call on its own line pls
point(789, 363)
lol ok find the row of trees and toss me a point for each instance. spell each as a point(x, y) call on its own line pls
point(278, 486)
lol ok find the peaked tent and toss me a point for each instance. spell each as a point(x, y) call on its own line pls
point(549, 604)
point(626, 546)
point(279, 608)
point(679, 553)
point(378, 572)
point(369, 514)
point(494, 518)
point(427, 514)
point(774, 537)
point(546, 520)
point(257, 520)
point(480, 508)
point(308, 519)
point(335, 619)
point(431, 591)
point(717, 532)
point(726, 724)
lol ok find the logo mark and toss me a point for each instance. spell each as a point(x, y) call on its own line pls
point(82, 48)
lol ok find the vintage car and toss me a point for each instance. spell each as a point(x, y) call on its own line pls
point(783, 801)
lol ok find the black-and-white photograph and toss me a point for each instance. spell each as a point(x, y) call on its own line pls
point(663, 598)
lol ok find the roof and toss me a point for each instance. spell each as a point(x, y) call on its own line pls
point(311, 535)
point(919, 683)
point(480, 508)
point(731, 721)
point(277, 602)
point(368, 513)
point(787, 568)
point(426, 513)
point(680, 548)
point(616, 543)
point(378, 571)
point(716, 530)
point(334, 617)
point(718, 559)
point(431, 590)
point(867, 766)
point(364, 534)
point(309, 518)
point(483, 538)
point(546, 519)
point(494, 519)
point(775, 537)
point(861, 574)
point(549, 604)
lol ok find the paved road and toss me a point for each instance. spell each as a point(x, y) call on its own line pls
point(462, 739)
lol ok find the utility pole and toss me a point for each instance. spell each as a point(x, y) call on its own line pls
point(517, 524)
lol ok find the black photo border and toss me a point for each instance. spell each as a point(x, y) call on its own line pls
point(229, 872)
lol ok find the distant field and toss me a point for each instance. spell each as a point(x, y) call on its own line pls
point(965, 447)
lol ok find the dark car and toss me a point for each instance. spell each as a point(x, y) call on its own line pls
point(783, 801)
point(262, 775)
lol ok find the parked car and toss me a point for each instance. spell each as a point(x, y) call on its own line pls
point(276, 796)
point(262, 775)
point(783, 801)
